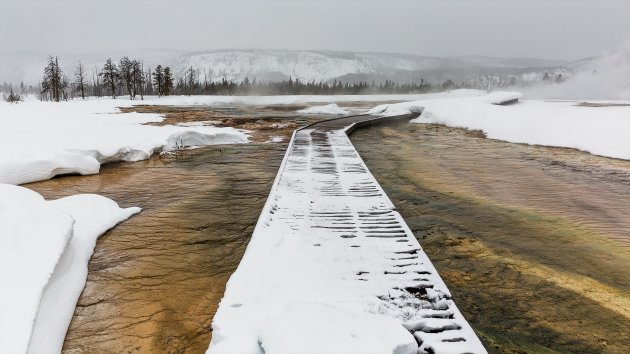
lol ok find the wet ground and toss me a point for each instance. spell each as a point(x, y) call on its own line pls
point(533, 242)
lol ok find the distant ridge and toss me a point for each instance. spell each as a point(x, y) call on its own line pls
point(310, 65)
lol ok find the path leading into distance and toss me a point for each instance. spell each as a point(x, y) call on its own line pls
point(329, 244)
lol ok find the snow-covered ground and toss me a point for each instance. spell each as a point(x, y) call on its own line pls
point(45, 247)
point(598, 130)
point(39, 140)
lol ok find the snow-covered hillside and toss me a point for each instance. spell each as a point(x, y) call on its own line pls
point(350, 67)
point(305, 65)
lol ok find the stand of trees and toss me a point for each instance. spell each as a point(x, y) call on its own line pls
point(129, 77)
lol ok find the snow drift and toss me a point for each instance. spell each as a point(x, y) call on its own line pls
point(327, 109)
point(45, 247)
point(39, 140)
point(599, 130)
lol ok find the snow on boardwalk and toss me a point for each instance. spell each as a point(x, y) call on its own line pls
point(332, 267)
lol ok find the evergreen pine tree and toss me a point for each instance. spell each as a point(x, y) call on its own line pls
point(158, 80)
point(168, 81)
point(110, 76)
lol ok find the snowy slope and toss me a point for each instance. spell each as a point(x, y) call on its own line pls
point(304, 65)
point(327, 65)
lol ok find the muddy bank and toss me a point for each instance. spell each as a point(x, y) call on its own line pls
point(532, 241)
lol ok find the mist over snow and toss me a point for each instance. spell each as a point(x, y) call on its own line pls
point(306, 65)
point(606, 77)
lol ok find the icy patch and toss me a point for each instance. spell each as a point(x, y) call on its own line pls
point(45, 247)
point(327, 109)
point(276, 139)
point(325, 329)
point(203, 123)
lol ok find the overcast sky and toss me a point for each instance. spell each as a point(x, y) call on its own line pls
point(566, 29)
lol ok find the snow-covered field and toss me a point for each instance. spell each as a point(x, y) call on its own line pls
point(598, 130)
point(39, 140)
point(45, 247)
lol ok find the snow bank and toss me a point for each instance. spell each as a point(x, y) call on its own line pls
point(327, 109)
point(39, 140)
point(45, 247)
point(599, 130)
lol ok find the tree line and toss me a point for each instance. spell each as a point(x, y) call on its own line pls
point(131, 77)
point(128, 77)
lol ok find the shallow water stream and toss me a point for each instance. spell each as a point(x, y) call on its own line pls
point(155, 280)
point(533, 242)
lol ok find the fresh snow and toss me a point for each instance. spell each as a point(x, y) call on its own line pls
point(292, 99)
point(45, 247)
point(315, 328)
point(39, 140)
point(327, 109)
point(601, 131)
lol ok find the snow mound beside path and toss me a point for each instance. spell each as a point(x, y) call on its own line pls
point(45, 247)
point(598, 129)
point(39, 140)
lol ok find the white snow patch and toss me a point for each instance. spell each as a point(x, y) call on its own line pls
point(325, 329)
point(327, 109)
point(39, 140)
point(202, 123)
point(598, 130)
point(45, 247)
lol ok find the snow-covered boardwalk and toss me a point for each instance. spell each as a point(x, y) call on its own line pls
point(332, 267)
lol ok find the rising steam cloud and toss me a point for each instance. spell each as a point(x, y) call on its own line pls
point(605, 77)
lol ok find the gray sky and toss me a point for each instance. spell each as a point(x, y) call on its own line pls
point(568, 29)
